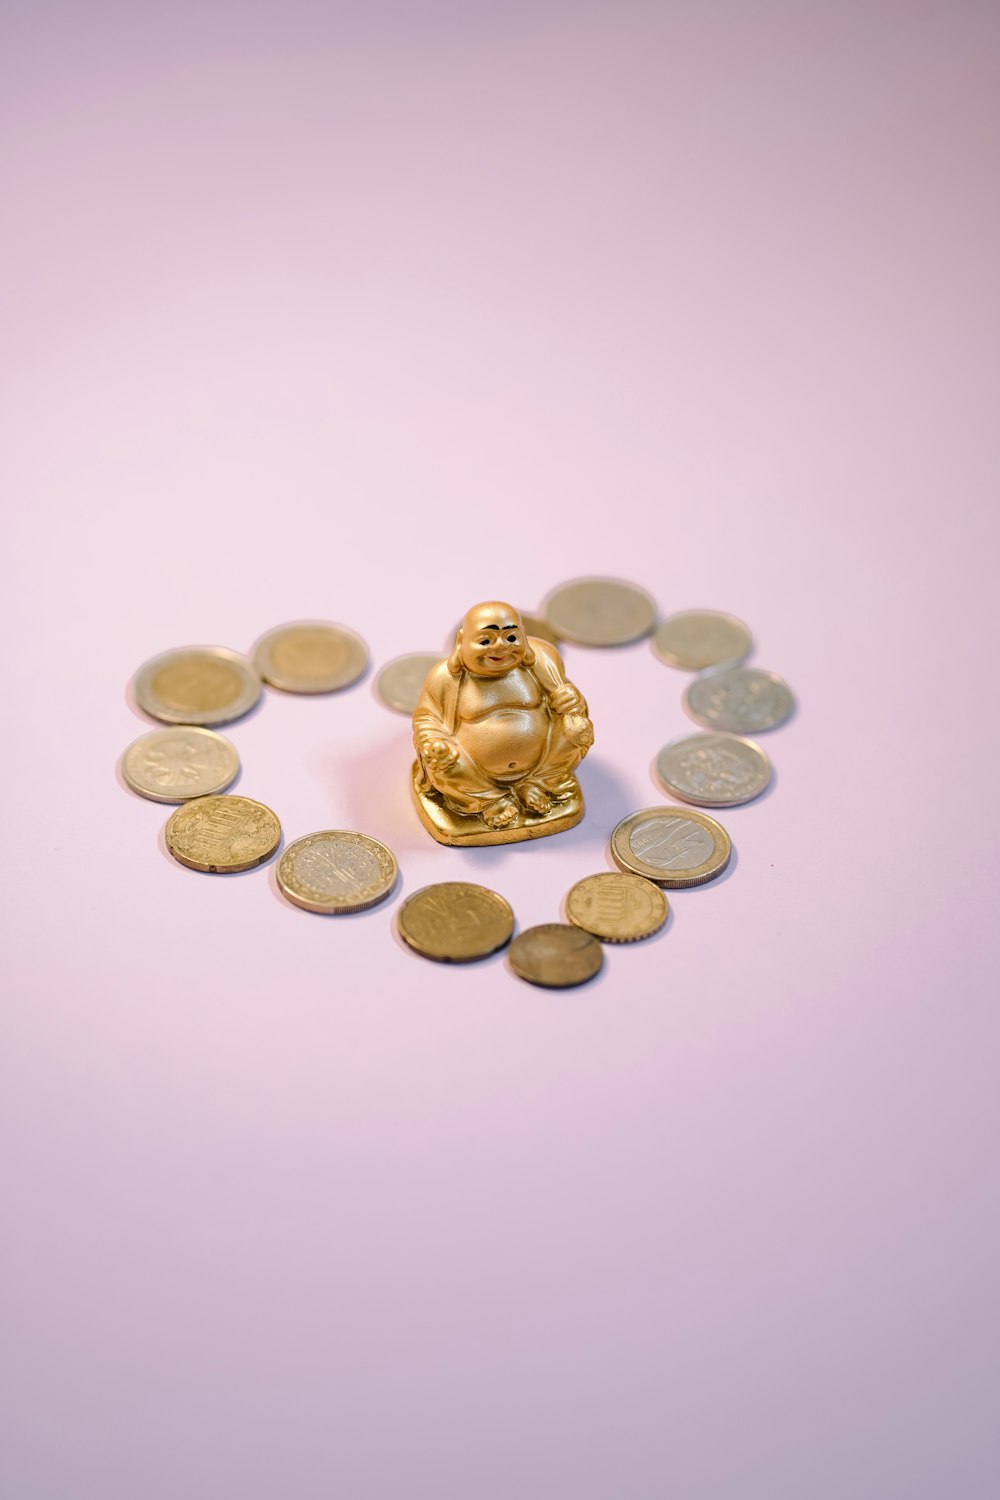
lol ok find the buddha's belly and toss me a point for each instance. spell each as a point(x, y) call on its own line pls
point(507, 742)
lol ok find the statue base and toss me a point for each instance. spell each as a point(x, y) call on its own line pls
point(458, 829)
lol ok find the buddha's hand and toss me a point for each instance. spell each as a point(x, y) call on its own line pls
point(579, 730)
point(441, 753)
point(565, 699)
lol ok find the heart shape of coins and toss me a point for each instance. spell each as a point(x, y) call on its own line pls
point(339, 871)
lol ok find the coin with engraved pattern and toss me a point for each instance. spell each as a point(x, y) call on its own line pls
point(310, 656)
point(197, 685)
point(555, 955)
point(700, 638)
point(600, 612)
point(746, 700)
point(174, 765)
point(617, 908)
point(336, 871)
point(401, 681)
point(222, 835)
point(455, 921)
point(714, 769)
point(674, 848)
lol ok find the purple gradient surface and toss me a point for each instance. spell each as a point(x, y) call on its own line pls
point(366, 313)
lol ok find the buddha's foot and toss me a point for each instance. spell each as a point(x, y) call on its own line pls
point(501, 814)
point(534, 798)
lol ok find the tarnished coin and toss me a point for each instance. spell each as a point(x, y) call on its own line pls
point(401, 681)
point(197, 685)
point(555, 955)
point(337, 871)
point(174, 765)
point(617, 908)
point(600, 612)
point(714, 770)
point(455, 921)
point(673, 848)
point(700, 638)
point(222, 835)
point(310, 656)
point(743, 699)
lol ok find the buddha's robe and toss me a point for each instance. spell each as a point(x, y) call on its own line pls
point(509, 730)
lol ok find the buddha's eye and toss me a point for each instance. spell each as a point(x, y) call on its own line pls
point(484, 643)
point(512, 639)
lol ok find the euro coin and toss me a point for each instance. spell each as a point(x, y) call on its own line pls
point(455, 922)
point(674, 848)
point(310, 656)
point(745, 700)
point(336, 871)
point(222, 835)
point(600, 612)
point(555, 955)
point(714, 770)
point(174, 765)
point(197, 685)
point(617, 908)
point(700, 638)
point(401, 681)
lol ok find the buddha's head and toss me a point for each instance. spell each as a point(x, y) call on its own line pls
point(491, 641)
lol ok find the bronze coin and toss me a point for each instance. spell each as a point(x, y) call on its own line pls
point(555, 955)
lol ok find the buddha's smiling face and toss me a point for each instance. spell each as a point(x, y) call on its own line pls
point(493, 640)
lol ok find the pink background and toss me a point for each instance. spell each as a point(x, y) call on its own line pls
point(367, 312)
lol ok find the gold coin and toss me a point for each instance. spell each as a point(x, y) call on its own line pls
point(617, 908)
point(455, 921)
point(310, 656)
point(600, 612)
point(337, 871)
point(174, 765)
point(555, 955)
point(673, 847)
point(222, 834)
point(197, 685)
point(699, 638)
point(401, 681)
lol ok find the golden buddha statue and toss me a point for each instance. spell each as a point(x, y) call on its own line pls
point(498, 733)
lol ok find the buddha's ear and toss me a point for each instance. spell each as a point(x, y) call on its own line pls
point(529, 653)
point(455, 659)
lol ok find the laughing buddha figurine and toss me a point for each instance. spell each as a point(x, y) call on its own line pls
point(498, 733)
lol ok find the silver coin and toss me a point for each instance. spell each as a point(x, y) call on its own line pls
point(742, 699)
point(337, 871)
point(671, 847)
point(600, 612)
point(400, 682)
point(714, 770)
point(176, 764)
point(700, 638)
